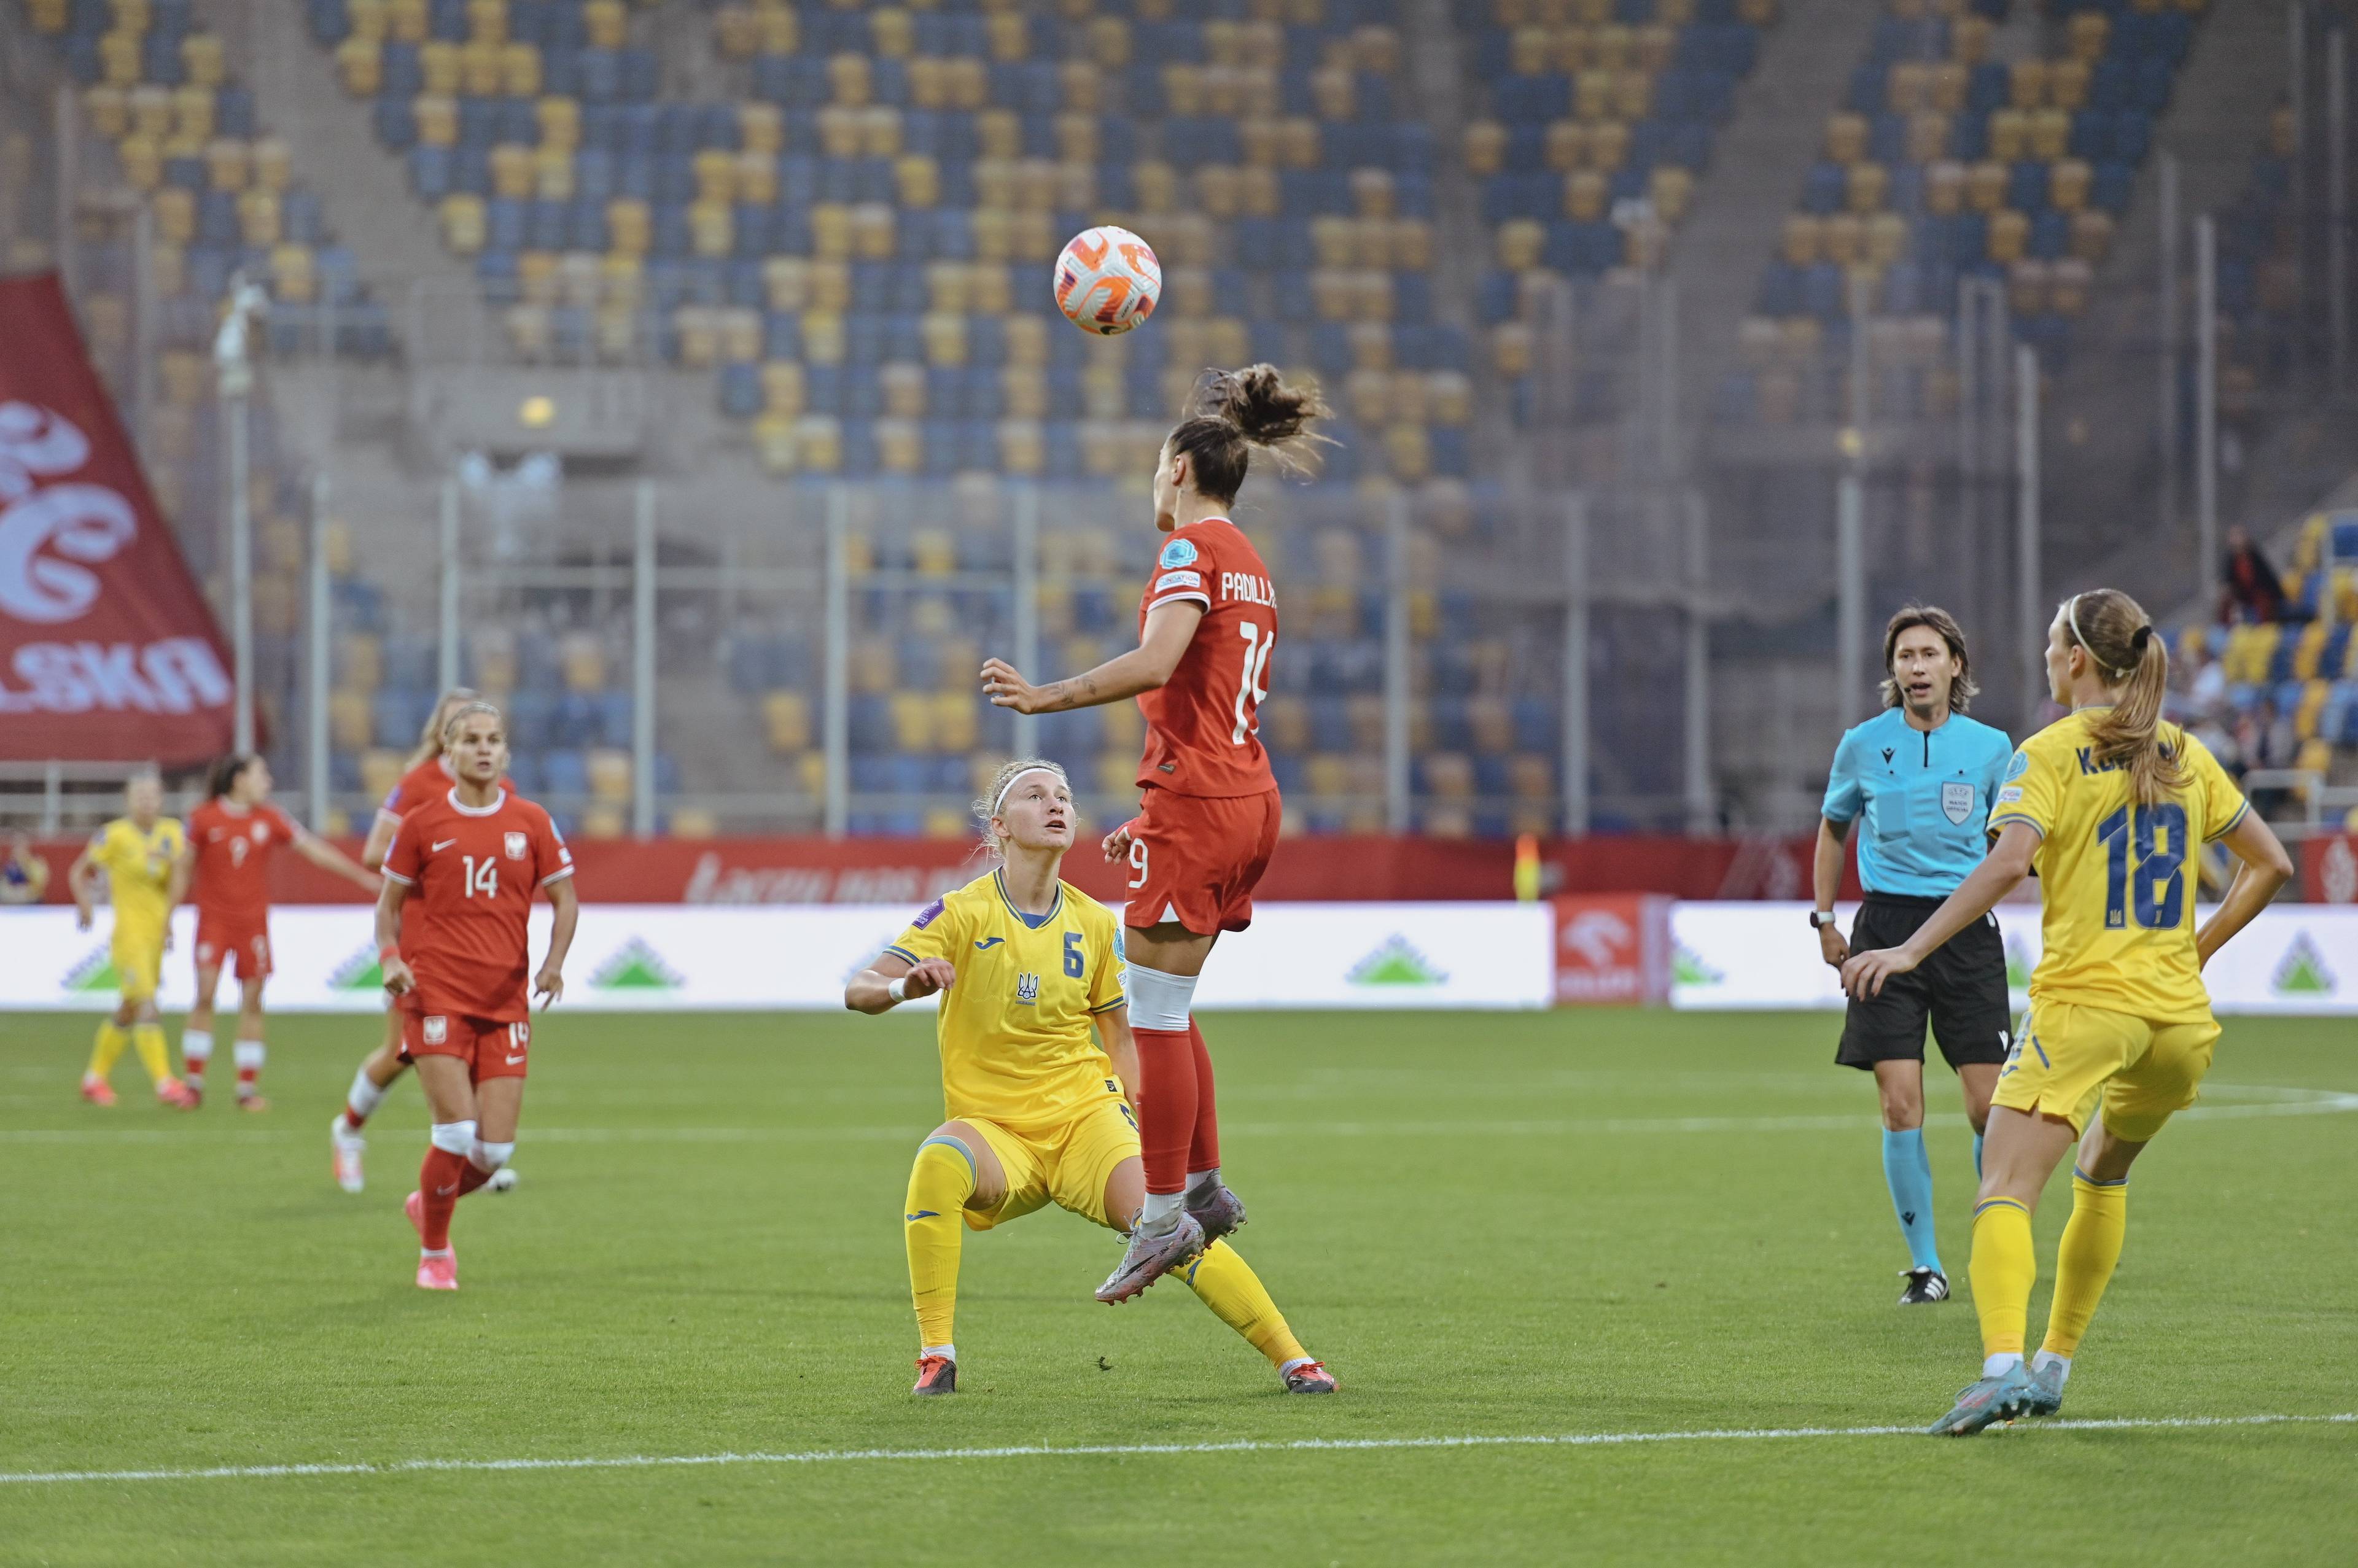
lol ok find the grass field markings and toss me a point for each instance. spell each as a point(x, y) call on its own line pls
point(1124, 1450)
point(2322, 1102)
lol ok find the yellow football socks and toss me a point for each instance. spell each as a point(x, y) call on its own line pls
point(2003, 1270)
point(148, 1039)
point(111, 1041)
point(2085, 1260)
point(1226, 1282)
point(939, 1184)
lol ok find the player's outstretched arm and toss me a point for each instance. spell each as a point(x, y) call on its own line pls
point(389, 899)
point(2000, 873)
point(380, 838)
point(2264, 871)
point(892, 979)
point(550, 985)
point(1120, 1049)
point(328, 858)
point(1147, 667)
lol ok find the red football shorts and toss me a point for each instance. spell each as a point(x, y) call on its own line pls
point(239, 944)
point(490, 1049)
point(1196, 859)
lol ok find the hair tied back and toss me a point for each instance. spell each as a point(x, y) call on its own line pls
point(2139, 638)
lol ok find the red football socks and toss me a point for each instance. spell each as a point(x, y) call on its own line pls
point(475, 1177)
point(1204, 1141)
point(1166, 1106)
point(439, 1182)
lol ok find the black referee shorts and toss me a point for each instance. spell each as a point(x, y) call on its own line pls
point(1961, 989)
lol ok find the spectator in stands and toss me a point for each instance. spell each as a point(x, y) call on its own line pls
point(2267, 740)
point(23, 874)
point(2253, 591)
point(2204, 698)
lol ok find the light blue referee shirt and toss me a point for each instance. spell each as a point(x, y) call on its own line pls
point(1925, 796)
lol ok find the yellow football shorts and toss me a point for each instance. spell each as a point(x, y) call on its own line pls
point(1067, 1166)
point(139, 962)
point(2068, 1058)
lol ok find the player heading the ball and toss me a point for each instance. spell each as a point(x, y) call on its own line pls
point(1208, 807)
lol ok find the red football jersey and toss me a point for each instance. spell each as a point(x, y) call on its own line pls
point(429, 779)
point(471, 872)
point(1203, 727)
point(234, 846)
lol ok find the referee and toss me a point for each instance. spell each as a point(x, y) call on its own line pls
point(1923, 775)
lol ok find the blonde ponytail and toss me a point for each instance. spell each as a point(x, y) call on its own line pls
point(2134, 657)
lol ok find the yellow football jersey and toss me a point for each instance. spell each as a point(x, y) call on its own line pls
point(1014, 1030)
point(139, 869)
point(2117, 879)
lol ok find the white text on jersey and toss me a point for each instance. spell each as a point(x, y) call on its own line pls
point(1244, 588)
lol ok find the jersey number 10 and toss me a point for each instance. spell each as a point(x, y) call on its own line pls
point(2157, 888)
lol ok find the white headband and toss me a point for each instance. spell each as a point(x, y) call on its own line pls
point(2072, 618)
point(1000, 798)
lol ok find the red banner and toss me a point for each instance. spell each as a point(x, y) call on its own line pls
point(1613, 948)
point(108, 652)
point(2329, 869)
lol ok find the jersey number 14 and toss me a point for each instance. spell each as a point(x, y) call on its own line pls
point(2155, 889)
point(1252, 690)
point(483, 878)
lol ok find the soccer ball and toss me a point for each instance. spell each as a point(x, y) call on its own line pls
point(1107, 281)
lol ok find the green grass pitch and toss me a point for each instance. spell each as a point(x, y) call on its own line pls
point(1578, 1223)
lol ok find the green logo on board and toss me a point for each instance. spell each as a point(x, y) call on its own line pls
point(1395, 963)
point(636, 966)
point(2302, 972)
point(1687, 968)
point(95, 973)
point(361, 972)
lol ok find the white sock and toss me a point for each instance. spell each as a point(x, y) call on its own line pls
point(489, 1157)
point(947, 1352)
point(2046, 1358)
point(434, 1252)
point(196, 1048)
point(1203, 1178)
point(1999, 1365)
point(1158, 1001)
point(362, 1099)
point(1297, 1361)
point(1160, 1207)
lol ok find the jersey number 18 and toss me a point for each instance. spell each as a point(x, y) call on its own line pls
point(2156, 891)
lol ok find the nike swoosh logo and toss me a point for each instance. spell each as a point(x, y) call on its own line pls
point(513, 1060)
point(989, 942)
point(442, 845)
point(446, 1192)
point(924, 1213)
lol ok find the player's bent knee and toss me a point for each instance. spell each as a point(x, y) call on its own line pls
point(960, 1152)
point(453, 1137)
point(1159, 1000)
point(1125, 1192)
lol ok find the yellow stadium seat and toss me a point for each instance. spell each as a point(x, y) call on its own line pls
point(917, 178)
point(782, 388)
point(1866, 186)
point(2091, 235)
point(48, 16)
point(438, 119)
point(956, 728)
point(786, 716)
point(380, 768)
point(109, 109)
point(740, 328)
point(406, 21)
point(1845, 137)
point(712, 229)
point(2009, 233)
point(602, 821)
point(258, 218)
point(1022, 445)
point(513, 174)
point(900, 445)
point(851, 80)
point(142, 164)
point(528, 331)
point(118, 55)
point(2009, 136)
point(229, 164)
point(151, 112)
point(761, 127)
point(2069, 183)
point(1985, 185)
point(292, 277)
point(479, 69)
point(559, 119)
point(824, 340)
point(629, 226)
point(487, 21)
point(360, 65)
point(584, 661)
point(872, 231)
point(609, 774)
point(607, 23)
point(903, 387)
point(2027, 287)
point(552, 173)
point(519, 73)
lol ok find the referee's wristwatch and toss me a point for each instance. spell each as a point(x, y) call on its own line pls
point(1821, 918)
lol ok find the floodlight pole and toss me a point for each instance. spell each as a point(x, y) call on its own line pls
point(2206, 405)
point(836, 720)
point(233, 367)
point(446, 662)
point(316, 675)
point(1575, 663)
point(2031, 632)
point(643, 662)
point(2167, 306)
point(1026, 582)
point(1397, 801)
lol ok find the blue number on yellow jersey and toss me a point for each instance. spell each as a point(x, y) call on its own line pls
point(2117, 879)
point(1014, 1031)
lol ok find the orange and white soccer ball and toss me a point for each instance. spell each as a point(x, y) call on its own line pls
point(1107, 281)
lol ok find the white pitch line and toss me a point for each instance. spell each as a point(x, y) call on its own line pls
point(1118, 1450)
point(2319, 1102)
